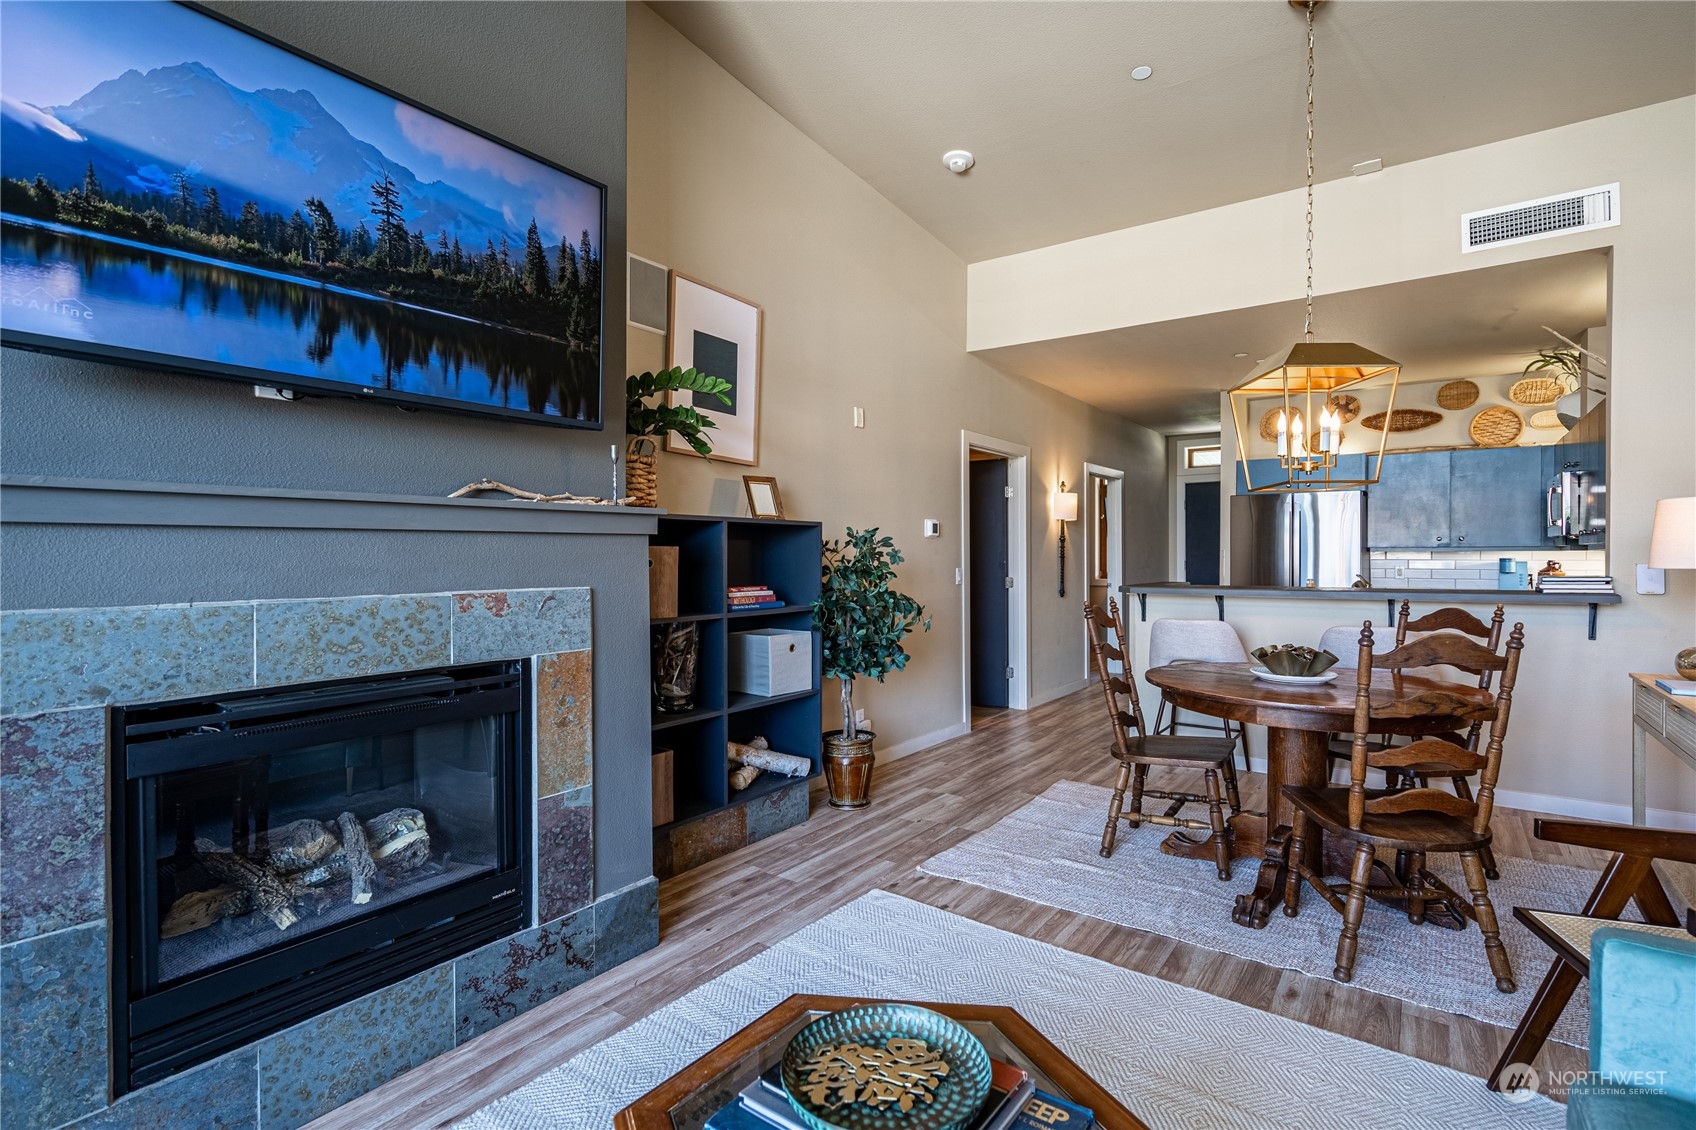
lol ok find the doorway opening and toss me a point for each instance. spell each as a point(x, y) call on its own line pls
point(1104, 510)
point(994, 606)
point(1196, 462)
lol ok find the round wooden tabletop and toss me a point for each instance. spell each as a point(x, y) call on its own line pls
point(1230, 690)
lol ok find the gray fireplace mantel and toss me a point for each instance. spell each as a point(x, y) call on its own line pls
point(39, 500)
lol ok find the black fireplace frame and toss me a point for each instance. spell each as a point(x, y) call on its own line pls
point(157, 1031)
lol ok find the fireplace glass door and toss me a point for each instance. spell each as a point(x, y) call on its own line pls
point(281, 842)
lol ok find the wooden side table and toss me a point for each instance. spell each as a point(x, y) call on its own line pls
point(1669, 717)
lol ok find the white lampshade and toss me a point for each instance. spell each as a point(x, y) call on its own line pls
point(1065, 505)
point(1673, 544)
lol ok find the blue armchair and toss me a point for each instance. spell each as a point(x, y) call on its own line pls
point(1642, 1034)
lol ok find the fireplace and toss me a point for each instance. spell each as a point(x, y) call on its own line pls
point(276, 853)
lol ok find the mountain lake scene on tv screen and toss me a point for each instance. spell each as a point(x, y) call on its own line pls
point(172, 185)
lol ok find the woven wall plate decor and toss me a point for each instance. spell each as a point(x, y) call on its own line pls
point(1457, 394)
point(1495, 427)
point(1546, 420)
point(1269, 425)
point(1403, 420)
point(1536, 390)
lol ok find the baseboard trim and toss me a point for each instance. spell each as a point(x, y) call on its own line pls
point(1059, 692)
point(923, 742)
point(1593, 810)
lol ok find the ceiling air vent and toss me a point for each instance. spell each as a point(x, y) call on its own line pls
point(1539, 219)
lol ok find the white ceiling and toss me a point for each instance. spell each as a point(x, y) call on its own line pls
point(1068, 146)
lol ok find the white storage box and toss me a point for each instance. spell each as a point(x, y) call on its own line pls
point(771, 661)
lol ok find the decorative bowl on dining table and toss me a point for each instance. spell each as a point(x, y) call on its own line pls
point(1294, 661)
point(886, 1065)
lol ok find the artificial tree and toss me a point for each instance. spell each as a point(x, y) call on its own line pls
point(859, 618)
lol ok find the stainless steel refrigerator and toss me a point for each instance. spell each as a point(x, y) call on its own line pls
point(1305, 539)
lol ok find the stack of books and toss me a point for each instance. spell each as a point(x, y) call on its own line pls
point(1014, 1103)
point(1575, 584)
point(746, 598)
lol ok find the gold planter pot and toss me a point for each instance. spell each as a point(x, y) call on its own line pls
point(848, 768)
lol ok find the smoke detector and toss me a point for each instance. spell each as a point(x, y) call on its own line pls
point(958, 160)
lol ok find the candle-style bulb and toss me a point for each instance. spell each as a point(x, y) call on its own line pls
point(1283, 434)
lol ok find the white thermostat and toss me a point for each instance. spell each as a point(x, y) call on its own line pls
point(933, 528)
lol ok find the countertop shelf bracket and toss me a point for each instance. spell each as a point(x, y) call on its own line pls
point(1592, 621)
point(1391, 605)
point(1219, 599)
point(1142, 606)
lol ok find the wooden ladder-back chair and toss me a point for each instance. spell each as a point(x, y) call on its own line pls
point(1137, 750)
point(1408, 776)
point(1417, 821)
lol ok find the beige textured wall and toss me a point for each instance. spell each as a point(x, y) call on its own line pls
point(862, 308)
point(1572, 721)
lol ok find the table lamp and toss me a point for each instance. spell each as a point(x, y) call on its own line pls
point(1672, 545)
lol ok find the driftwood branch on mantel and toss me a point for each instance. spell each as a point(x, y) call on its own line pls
point(482, 485)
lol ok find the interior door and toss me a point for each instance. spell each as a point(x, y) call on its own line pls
point(1201, 532)
point(988, 551)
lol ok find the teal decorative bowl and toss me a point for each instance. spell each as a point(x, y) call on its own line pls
point(883, 1067)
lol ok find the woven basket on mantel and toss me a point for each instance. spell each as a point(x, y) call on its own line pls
point(642, 472)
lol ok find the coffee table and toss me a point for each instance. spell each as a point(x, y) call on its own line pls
point(688, 1098)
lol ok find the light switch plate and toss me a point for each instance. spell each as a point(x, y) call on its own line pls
point(1651, 582)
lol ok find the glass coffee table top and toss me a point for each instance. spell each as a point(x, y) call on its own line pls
point(687, 1099)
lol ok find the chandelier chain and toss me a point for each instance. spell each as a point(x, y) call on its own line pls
point(1308, 325)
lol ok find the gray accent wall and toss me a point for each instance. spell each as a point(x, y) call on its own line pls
point(547, 77)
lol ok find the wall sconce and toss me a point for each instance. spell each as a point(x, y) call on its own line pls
point(1065, 510)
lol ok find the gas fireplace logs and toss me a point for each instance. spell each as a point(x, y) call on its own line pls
point(306, 863)
point(761, 756)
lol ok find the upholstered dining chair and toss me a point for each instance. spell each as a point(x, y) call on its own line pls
point(1196, 641)
point(1439, 620)
point(1418, 821)
point(1137, 751)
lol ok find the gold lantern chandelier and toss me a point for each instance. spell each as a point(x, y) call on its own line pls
point(1309, 384)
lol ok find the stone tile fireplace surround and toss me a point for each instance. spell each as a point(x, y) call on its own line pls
point(63, 667)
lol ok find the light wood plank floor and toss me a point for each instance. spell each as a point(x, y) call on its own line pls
point(921, 805)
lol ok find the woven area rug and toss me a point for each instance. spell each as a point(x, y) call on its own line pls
point(1049, 852)
point(1177, 1057)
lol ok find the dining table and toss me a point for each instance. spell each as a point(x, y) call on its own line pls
point(1299, 719)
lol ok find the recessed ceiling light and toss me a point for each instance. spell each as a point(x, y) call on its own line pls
point(1239, 355)
point(1140, 73)
point(958, 160)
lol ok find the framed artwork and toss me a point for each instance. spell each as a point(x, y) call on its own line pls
point(764, 500)
point(718, 333)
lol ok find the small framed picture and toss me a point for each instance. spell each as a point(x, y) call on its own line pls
point(764, 501)
point(718, 333)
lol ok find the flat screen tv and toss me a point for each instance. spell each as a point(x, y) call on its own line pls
point(181, 193)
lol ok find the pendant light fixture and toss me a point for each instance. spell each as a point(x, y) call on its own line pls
point(1305, 384)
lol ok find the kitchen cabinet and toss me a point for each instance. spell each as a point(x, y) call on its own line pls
point(1495, 498)
point(1471, 498)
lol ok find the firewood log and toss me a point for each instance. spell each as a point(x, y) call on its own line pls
point(270, 896)
point(199, 909)
point(300, 844)
point(360, 866)
point(743, 777)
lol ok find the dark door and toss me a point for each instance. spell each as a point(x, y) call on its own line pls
point(1201, 533)
point(988, 479)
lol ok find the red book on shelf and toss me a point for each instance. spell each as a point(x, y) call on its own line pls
point(734, 589)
